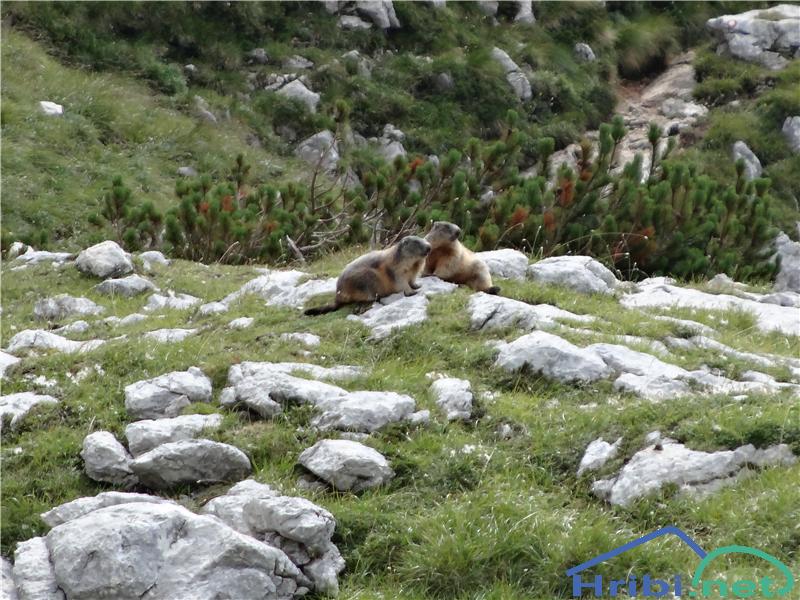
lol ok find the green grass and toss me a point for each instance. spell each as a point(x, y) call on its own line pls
point(504, 520)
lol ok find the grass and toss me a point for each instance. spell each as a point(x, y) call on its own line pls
point(468, 515)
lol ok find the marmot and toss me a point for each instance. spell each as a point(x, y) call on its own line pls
point(451, 261)
point(380, 273)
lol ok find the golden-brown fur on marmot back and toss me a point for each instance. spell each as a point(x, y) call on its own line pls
point(380, 273)
point(451, 261)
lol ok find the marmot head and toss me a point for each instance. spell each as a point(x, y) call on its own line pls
point(443, 232)
point(413, 247)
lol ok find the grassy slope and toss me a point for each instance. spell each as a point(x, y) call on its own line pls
point(55, 170)
point(504, 521)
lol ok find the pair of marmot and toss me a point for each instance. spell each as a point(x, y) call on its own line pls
point(385, 272)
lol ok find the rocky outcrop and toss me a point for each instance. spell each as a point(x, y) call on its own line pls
point(83, 506)
point(380, 12)
point(170, 300)
point(104, 260)
point(768, 36)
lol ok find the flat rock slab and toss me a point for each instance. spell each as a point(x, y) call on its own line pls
point(130, 286)
point(347, 465)
point(166, 395)
point(506, 263)
point(171, 300)
point(169, 336)
point(145, 435)
point(40, 339)
point(363, 411)
point(553, 357)
point(63, 306)
point(14, 407)
point(658, 293)
point(105, 459)
point(453, 397)
point(163, 552)
point(296, 296)
point(582, 274)
point(670, 462)
point(104, 260)
point(496, 312)
point(267, 286)
point(83, 506)
point(190, 462)
point(35, 257)
point(383, 319)
point(307, 339)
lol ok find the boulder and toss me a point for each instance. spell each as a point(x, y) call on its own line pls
point(63, 306)
point(105, 459)
point(83, 506)
point(505, 263)
point(153, 257)
point(653, 388)
point(169, 336)
point(6, 362)
point(212, 308)
point(584, 52)
point(130, 319)
point(352, 22)
point(752, 166)
point(791, 131)
point(258, 56)
point(130, 286)
point(186, 171)
point(597, 454)
point(104, 260)
point(145, 435)
point(164, 551)
point(51, 109)
point(788, 278)
point(524, 13)
point(363, 411)
point(296, 296)
point(16, 249)
point(347, 465)
point(14, 407)
point(8, 590)
point(34, 574)
point(74, 327)
point(230, 507)
point(320, 150)
point(389, 149)
point(307, 339)
point(624, 360)
point(582, 274)
point(380, 12)
point(241, 323)
point(296, 63)
point(488, 7)
point(514, 75)
point(383, 319)
point(190, 462)
point(39, 339)
point(268, 286)
point(296, 90)
point(34, 257)
point(171, 301)
point(166, 395)
point(488, 311)
point(454, 397)
point(676, 108)
point(555, 358)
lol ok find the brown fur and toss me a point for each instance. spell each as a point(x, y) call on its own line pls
point(451, 261)
point(380, 273)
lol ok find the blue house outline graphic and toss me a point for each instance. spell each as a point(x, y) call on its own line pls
point(638, 542)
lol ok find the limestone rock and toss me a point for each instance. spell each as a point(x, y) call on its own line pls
point(363, 411)
point(752, 166)
point(597, 454)
point(320, 150)
point(788, 278)
point(190, 462)
point(296, 90)
point(104, 260)
point(51, 109)
point(166, 395)
point(584, 52)
point(580, 273)
point(14, 407)
point(347, 465)
point(130, 286)
point(83, 506)
point(505, 263)
point(33, 572)
point(63, 306)
point(171, 301)
point(791, 131)
point(105, 459)
point(147, 434)
point(39, 339)
point(454, 397)
point(496, 312)
point(169, 336)
point(6, 362)
point(380, 12)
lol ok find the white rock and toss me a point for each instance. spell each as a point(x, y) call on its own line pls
point(584, 52)
point(791, 131)
point(515, 77)
point(267, 286)
point(388, 150)
point(166, 395)
point(145, 435)
point(171, 300)
point(212, 308)
point(105, 459)
point(34, 575)
point(34, 257)
point(656, 388)
point(74, 327)
point(488, 7)
point(296, 90)
point(657, 294)
point(505, 263)
point(16, 249)
point(347, 465)
point(292, 518)
point(383, 319)
point(552, 357)
point(169, 336)
point(320, 150)
point(241, 323)
point(39, 339)
point(230, 506)
point(752, 166)
point(691, 326)
point(454, 397)
point(190, 462)
point(624, 360)
point(782, 298)
point(296, 63)
point(597, 454)
point(104, 260)
point(307, 339)
point(63, 306)
point(83, 506)
point(524, 13)
point(676, 108)
point(495, 312)
point(16, 406)
point(153, 257)
point(164, 552)
point(129, 286)
point(420, 417)
point(352, 22)
point(363, 411)
point(296, 296)
point(51, 109)
point(380, 12)
point(6, 362)
point(700, 341)
point(8, 590)
point(580, 273)
point(788, 278)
